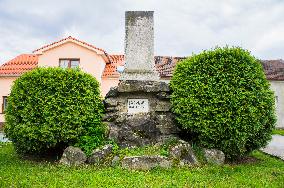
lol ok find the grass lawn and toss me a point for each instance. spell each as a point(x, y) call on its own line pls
point(279, 131)
point(266, 172)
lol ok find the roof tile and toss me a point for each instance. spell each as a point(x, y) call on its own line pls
point(19, 65)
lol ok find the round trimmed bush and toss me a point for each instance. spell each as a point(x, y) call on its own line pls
point(51, 108)
point(222, 100)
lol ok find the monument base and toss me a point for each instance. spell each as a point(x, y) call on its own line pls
point(138, 113)
point(139, 75)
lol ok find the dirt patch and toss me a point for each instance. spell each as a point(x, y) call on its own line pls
point(244, 160)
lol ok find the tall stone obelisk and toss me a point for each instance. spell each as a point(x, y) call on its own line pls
point(138, 109)
point(139, 46)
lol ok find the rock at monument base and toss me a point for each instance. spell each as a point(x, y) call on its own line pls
point(183, 153)
point(145, 162)
point(214, 156)
point(99, 155)
point(130, 129)
point(73, 156)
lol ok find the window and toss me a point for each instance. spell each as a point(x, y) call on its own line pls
point(69, 63)
point(5, 103)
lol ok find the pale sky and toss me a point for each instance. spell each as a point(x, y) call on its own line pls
point(182, 27)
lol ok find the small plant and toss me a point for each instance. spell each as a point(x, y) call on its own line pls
point(199, 153)
point(222, 98)
point(52, 108)
point(167, 144)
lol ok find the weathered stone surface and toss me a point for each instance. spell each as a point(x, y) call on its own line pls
point(113, 132)
point(112, 109)
point(110, 116)
point(214, 156)
point(162, 86)
point(139, 43)
point(183, 152)
point(145, 162)
point(73, 156)
point(142, 128)
point(137, 130)
point(166, 124)
point(163, 106)
point(129, 86)
point(99, 155)
point(163, 95)
point(110, 102)
point(112, 92)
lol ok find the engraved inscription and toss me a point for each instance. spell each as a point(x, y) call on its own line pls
point(137, 105)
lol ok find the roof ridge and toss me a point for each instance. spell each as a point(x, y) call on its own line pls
point(70, 38)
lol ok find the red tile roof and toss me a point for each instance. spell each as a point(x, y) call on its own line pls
point(66, 39)
point(110, 68)
point(164, 65)
point(274, 69)
point(19, 65)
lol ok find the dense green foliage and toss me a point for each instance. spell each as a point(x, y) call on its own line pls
point(267, 172)
point(222, 99)
point(51, 108)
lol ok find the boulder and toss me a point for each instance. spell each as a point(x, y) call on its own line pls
point(145, 162)
point(73, 156)
point(214, 156)
point(99, 155)
point(112, 92)
point(183, 153)
point(163, 95)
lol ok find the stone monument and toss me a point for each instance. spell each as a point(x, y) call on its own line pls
point(138, 109)
point(139, 46)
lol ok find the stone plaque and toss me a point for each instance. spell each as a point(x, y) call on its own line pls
point(137, 105)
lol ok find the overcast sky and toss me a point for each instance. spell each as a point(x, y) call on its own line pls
point(182, 27)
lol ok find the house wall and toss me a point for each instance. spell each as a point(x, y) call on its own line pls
point(107, 83)
point(278, 88)
point(90, 61)
point(5, 87)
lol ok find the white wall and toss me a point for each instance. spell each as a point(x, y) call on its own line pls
point(278, 88)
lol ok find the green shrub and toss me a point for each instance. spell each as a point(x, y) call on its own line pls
point(222, 99)
point(51, 108)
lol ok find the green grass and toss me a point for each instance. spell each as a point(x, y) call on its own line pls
point(278, 131)
point(267, 172)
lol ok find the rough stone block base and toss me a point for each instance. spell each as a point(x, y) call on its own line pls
point(141, 128)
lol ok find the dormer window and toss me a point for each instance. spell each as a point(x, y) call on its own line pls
point(69, 63)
